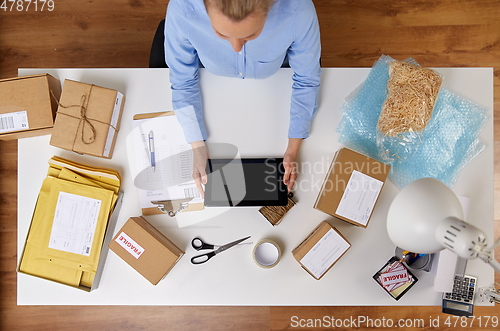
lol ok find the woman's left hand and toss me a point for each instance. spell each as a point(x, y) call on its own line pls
point(290, 162)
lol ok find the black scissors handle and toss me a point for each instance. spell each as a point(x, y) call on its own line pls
point(199, 244)
point(199, 259)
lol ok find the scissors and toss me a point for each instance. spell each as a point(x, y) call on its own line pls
point(198, 244)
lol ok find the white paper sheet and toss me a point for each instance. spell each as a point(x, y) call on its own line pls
point(74, 225)
point(359, 197)
point(172, 177)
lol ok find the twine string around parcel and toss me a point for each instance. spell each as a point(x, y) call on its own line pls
point(84, 101)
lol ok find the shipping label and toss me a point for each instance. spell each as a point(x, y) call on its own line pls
point(14, 121)
point(129, 245)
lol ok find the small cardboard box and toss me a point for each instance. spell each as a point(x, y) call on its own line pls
point(322, 248)
point(145, 249)
point(352, 187)
point(88, 119)
point(27, 108)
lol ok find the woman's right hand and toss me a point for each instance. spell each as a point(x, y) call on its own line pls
point(200, 157)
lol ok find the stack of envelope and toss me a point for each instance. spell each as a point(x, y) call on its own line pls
point(69, 222)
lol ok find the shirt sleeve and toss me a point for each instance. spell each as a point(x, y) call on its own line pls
point(304, 55)
point(182, 59)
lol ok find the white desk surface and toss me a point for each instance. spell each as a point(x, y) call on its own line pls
point(253, 115)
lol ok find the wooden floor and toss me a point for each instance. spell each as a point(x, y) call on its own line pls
point(118, 33)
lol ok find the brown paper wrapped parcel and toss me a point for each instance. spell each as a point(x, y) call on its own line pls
point(87, 119)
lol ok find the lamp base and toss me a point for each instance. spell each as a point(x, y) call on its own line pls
point(423, 263)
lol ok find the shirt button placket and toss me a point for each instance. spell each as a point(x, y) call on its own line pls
point(241, 62)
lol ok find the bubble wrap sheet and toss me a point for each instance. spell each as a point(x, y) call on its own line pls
point(450, 140)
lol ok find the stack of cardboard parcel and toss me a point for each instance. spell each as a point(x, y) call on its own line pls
point(349, 192)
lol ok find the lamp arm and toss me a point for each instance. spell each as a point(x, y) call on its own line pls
point(495, 265)
point(495, 244)
point(488, 257)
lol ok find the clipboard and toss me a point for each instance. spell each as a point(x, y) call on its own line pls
point(169, 207)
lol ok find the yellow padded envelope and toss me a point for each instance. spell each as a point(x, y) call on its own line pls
point(87, 279)
point(72, 176)
point(64, 173)
point(30, 262)
point(74, 225)
point(60, 262)
point(100, 174)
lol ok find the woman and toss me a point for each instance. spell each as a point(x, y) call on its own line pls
point(242, 39)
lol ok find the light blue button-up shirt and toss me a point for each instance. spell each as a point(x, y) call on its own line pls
point(291, 28)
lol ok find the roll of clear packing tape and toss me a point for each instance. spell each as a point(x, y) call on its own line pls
point(267, 253)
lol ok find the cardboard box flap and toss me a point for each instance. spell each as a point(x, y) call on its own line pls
point(26, 134)
point(22, 77)
point(157, 235)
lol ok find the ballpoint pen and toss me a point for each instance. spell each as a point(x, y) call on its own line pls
point(152, 149)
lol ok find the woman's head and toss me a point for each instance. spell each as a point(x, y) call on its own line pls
point(237, 10)
point(238, 21)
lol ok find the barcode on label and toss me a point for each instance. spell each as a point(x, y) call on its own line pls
point(191, 192)
point(88, 250)
point(6, 123)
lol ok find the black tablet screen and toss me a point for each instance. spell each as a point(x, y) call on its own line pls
point(245, 182)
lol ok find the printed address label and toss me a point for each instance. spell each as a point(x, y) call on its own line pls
point(14, 121)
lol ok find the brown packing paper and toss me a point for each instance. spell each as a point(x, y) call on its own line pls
point(33, 95)
point(84, 119)
point(148, 251)
point(344, 163)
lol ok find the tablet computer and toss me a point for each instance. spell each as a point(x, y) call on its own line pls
point(245, 182)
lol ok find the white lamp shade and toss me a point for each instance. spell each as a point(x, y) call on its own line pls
point(416, 212)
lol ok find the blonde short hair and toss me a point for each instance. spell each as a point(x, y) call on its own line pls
point(238, 10)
